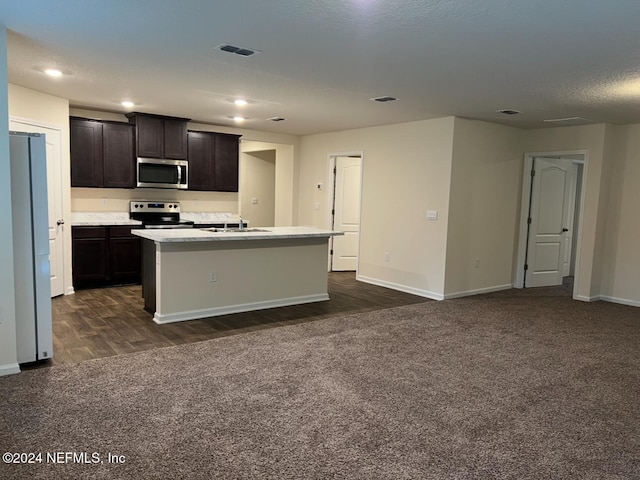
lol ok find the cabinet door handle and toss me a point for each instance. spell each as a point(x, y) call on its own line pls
point(60, 222)
point(179, 174)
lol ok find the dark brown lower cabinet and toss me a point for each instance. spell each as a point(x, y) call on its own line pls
point(103, 256)
point(124, 255)
point(90, 247)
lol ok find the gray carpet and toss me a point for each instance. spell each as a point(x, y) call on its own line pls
point(512, 385)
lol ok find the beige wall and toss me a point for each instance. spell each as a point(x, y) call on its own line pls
point(471, 173)
point(484, 207)
point(258, 181)
point(621, 257)
point(285, 203)
point(406, 172)
point(8, 357)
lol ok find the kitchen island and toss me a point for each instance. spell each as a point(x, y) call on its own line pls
point(198, 273)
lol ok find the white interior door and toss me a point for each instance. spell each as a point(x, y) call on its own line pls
point(550, 205)
point(54, 186)
point(569, 216)
point(346, 213)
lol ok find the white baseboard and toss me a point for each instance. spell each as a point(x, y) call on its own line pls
point(400, 288)
point(622, 301)
point(10, 369)
point(244, 307)
point(584, 298)
point(477, 291)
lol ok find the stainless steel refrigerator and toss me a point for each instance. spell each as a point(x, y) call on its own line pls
point(30, 217)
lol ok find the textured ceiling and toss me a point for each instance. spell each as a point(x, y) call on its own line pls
point(321, 61)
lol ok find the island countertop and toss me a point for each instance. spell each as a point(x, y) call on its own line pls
point(173, 235)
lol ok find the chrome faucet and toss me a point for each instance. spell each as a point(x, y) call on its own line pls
point(240, 227)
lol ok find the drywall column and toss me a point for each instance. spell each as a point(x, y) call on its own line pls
point(8, 355)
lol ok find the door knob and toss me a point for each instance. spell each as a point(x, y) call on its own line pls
point(565, 230)
point(60, 222)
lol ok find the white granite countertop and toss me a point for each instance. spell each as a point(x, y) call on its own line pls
point(79, 219)
point(201, 235)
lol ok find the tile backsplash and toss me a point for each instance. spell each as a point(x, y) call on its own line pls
point(117, 199)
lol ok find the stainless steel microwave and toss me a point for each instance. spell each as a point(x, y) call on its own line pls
point(157, 173)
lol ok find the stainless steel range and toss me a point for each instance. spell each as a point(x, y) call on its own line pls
point(158, 214)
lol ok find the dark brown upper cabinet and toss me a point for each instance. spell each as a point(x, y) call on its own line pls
point(200, 160)
point(225, 161)
point(213, 161)
point(86, 153)
point(117, 155)
point(102, 154)
point(160, 137)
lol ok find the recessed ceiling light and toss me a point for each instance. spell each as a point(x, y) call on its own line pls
point(238, 119)
point(127, 104)
point(240, 102)
point(52, 72)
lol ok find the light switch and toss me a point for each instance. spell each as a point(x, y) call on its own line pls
point(432, 215)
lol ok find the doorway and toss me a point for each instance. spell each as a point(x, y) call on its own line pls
point(550, 226)
point(54, 197)
point(345, 212)
point(258, 188)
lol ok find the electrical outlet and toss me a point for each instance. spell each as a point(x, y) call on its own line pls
point(254, 201)
point(316, 206)
point(212, 277)
point(387, 257)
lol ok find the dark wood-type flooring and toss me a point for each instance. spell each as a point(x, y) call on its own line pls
point(103, 322)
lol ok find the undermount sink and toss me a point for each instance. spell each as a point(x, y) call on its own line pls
point(234, 230)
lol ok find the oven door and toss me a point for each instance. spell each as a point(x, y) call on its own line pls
point(157, 173)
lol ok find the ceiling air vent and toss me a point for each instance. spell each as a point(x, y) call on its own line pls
point(383, 99)
point(508, 111)
point(244, 52)
point(276, 119)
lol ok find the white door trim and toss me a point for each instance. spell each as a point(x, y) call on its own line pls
point(330, 194)
point(524, 212)
point(66, 235)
